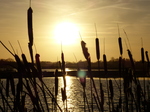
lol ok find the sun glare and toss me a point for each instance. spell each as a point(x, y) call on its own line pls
point(66, 33)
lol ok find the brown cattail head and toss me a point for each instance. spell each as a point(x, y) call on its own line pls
point(105, 63)
point(63, 93)
point(19, 64)
point(63, 63)
point(85, 50)
point(142, 55)
point(131, 59)
point(97, 48)
point(147, 57)
point(30, 31)
point(37, 57)
point(25, 63)
point(120, 45)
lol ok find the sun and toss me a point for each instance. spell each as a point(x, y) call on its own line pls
point(66, 33)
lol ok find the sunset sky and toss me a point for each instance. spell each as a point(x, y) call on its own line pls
point(132, 15)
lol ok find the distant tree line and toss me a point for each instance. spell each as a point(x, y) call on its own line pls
point(10, 64)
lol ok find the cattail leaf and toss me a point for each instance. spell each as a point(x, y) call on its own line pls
point(97, 49)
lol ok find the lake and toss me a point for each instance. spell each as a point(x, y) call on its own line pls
point(74, 93)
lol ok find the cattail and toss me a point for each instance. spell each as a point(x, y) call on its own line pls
point(85, 50)
point(63, 68)
point(20, 65)
point(30, 29)
point(102, 97)
point(105, 62)
point(7, 87)
point(25, 63)
point(23, 109)
point(147, 57)
point(38, 65)
point(96, 102)
point(32, 97)
point(56, 82)
point(139, 96)
point(17, 102)
point(142, 55)
point(24, 60)
point(111, 89)
point(63, 63)
point(120, 45)
point(30, 32)
point(63, 93)
point(120, 65)
point(131, 59)
point(12, 85)
point(97, 48)
point(31, 52)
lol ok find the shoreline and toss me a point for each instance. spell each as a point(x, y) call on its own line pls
point(101, 74)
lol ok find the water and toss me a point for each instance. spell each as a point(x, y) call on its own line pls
point(74, 92)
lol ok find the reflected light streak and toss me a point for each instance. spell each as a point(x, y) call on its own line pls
point(69, 82)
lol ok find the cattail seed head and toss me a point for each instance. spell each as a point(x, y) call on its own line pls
point(105, 62)
point(85, 50)
point(97, 48)
point(131, 59)
point(120, 45)
point(30, 32)
point(142, 55)
point(147, 57)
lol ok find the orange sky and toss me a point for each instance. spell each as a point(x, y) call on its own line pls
point(132, 15)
